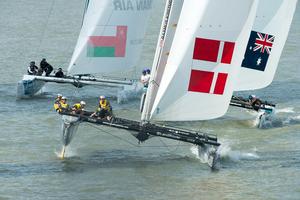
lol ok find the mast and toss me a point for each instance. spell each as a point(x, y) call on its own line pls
point(158, 54)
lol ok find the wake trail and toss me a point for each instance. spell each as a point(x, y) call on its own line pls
point(226, 153)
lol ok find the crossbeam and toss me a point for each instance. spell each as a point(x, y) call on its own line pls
point(145, 130)
point(244, 103)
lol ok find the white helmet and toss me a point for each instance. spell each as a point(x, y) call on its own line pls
point(102, 97)
point(59, 95)
point(252, 97)
point(64, 98)
point(82, 102)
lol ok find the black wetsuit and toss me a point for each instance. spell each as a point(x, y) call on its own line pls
point(59, 74)
point(256, 104)
point(46, 67)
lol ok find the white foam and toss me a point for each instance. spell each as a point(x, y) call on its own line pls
point(194, 150)
point(203, 157)
point(225, 151)
point(69, 152)
point(285, 110)
point(129, 92)
point(292, 120)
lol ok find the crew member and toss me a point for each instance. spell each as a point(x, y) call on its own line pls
point(78, 108)
point(63, 106)
point(145, 78)
point(57, 102)
point(104, 109)
point(255, 102)
point(32, 69)
point(46, 67)
point(59, 73)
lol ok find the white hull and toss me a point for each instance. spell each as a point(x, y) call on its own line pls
point(264, 119)
point(31, 85)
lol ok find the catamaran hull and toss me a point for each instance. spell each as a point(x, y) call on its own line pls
point(29, 86)
point(69, 128)
point(265, 119)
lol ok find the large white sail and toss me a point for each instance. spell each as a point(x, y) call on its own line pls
point(266, 43)
point(202, 66)
point(111, 37)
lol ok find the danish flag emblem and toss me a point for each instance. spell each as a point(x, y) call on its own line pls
point(210, 51)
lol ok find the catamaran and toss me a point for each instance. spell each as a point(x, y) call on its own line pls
point(265, 45)
point(110, 41)
point(196, 64)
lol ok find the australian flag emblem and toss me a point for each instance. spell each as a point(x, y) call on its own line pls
point(258, 50)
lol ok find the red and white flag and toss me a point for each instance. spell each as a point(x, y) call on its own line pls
point(210, 51)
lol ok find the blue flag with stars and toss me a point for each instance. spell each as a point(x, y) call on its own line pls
point(258, 50)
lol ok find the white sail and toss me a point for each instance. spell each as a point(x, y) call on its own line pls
point(111, 37)
point(167, 32)
point(266, 43)
point(202, 66)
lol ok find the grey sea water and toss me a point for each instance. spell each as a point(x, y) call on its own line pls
point(255, 163)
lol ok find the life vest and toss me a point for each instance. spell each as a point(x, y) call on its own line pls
point(64, 106)
point(77, 106)
point(60, 106)
point(56, 105)
point(104, 104)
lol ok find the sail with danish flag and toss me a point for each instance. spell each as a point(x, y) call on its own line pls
point(199, 75)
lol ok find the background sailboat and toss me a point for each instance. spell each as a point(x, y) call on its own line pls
point(110, 41)
point(265, 45)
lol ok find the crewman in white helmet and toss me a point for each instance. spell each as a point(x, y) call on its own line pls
point(78, 107)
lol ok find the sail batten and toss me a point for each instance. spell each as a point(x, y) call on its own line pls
point(202, 66)
point(111, 37)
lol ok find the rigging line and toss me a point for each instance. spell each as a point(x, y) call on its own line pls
point(135, 145)
point(120, 138)
point(167, 146)
point(87, 2)
point(46, 25)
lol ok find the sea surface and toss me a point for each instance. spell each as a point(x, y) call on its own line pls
point(105, 163)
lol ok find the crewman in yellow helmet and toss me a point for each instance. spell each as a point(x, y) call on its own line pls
point(78, 108)
point(57, 102)
point(104, 109)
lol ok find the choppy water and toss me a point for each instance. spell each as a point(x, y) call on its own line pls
point(255, 163)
